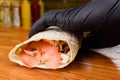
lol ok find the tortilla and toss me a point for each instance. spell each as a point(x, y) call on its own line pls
point(50, 34)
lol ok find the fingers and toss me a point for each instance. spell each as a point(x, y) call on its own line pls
point(49, 19)
point(38, 26)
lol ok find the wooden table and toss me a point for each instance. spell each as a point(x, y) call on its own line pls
point(87, 65)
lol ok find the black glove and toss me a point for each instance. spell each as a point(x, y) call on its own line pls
point(95, 16)
point(100, 17)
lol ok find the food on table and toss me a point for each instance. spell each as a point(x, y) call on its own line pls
point(50, 49)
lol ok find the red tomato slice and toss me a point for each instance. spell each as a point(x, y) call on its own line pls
point(48, 54)
point(30, 61)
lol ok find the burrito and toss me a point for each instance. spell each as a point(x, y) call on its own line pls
point(49, 49)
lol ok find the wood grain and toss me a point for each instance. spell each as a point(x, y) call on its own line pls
point(87, 65)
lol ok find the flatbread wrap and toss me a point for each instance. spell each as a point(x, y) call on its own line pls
point(49, 49)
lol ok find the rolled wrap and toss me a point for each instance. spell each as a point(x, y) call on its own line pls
point(49, 34)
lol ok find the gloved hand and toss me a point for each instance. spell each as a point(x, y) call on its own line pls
point(97, 15)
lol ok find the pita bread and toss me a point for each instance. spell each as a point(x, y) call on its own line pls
point(49, 34)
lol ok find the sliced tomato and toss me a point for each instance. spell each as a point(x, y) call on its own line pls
point(30, 61)
point(48, 54)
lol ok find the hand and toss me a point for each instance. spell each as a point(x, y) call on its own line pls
point(58, 18)
point(93, 16)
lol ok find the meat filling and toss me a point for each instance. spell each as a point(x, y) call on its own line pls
point(48, 52)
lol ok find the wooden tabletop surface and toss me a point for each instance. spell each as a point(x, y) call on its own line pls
point(87, 65)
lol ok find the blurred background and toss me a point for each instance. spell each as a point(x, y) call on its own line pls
point(24, 13)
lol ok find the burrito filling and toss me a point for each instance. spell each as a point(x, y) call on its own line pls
point(51, 53)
